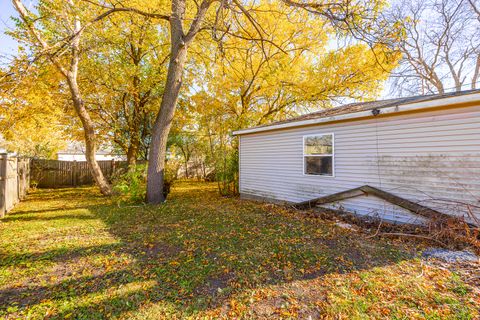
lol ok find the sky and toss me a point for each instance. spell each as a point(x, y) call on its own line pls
point(7, 45)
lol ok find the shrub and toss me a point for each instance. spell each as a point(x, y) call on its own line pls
point(131, 185)
point(227, 173)
point(33, 184)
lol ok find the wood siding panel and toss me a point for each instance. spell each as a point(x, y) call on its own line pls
point(431, 157)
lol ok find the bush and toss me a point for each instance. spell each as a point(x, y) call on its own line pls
point(227, 173)
point(131, 186)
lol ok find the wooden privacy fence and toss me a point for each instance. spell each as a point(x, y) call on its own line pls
point(14, 181)
point(56, 173)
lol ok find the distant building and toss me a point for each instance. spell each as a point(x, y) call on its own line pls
point(76, 151)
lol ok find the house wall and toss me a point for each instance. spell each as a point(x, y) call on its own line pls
point(430, 157)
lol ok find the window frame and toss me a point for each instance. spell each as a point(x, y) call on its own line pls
point(319, 155)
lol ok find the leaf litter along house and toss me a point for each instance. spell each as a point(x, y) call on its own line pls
point(396, 159)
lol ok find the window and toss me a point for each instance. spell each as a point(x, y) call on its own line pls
point(318, 154)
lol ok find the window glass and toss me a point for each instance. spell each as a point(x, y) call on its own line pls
point(319, 144)
point(318, 154)
point(319, 165)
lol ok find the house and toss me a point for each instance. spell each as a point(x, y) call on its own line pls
point(424, 150)
point(76, 151)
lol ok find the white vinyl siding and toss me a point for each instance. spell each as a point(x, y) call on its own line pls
point(431, 157)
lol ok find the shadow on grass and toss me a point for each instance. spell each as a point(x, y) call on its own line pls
point(195, 251)
point(17, 216)
point(57, 255)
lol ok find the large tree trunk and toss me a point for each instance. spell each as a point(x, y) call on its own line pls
point(163, 122)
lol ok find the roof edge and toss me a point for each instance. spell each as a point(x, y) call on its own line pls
point(404, 107)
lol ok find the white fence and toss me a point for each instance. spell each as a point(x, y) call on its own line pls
point(14, 181)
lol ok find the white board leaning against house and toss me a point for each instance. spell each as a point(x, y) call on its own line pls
point(425, 149)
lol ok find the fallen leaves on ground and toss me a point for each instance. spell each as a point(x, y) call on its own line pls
point(71, 253)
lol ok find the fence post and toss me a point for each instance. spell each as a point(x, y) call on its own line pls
point(29, 172)
point(19, 178)
point(3, 183)
point(112, 171)
point(74, 173)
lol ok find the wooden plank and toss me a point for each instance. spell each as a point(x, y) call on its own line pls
point(351, 193)
point(369, 190)
point(404, 203)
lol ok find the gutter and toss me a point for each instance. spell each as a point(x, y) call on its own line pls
point(467, 98)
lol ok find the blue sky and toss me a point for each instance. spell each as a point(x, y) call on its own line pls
point(7, 45)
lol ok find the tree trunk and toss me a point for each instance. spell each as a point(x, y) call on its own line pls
point(185, 158)
point(134, 127)
point(90, 139)
point(78, 103)
point(476, 73)
point(161, 127)
point(132, 153)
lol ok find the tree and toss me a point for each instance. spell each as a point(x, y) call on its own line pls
point(184, 142)
point(261, 84)
point(475, 4)
point(59, 39)
point(125, 74)
point(441, 47)
point(31, 111)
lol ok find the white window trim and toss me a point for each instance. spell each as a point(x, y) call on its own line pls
point(319, 155)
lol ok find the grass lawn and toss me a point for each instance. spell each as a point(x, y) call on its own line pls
point(71, 253)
